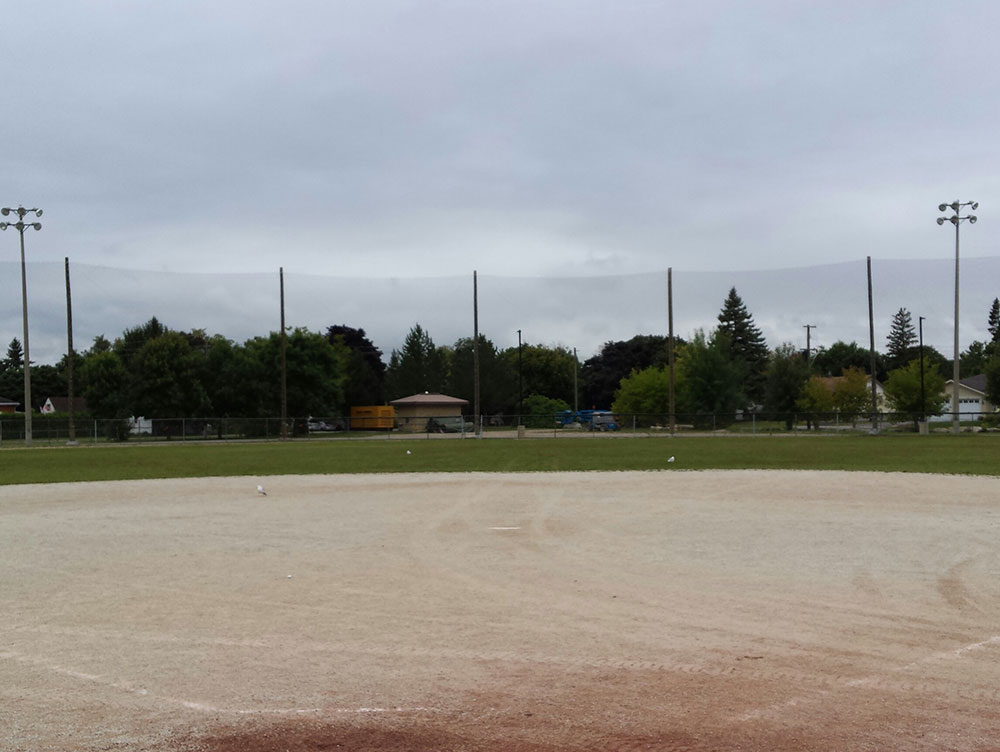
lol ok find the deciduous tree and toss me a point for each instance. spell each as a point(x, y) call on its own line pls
point(786, 377)
point(902, 390)
point(601, 375)
point(710, 381)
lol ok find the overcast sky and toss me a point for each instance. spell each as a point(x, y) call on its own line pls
point(541, 138)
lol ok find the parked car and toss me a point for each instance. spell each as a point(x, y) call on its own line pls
point(603, 422)
point(449, 424)
point(333, 424)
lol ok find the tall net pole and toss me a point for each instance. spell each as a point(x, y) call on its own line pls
point(670, 345)
point(284, 378)
point(478, 425)
point(69, 357)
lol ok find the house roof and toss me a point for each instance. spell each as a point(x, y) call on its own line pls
point(5, 401)
point(975, 383)
point(61, 404)
point(428, 398)
point(832, 381)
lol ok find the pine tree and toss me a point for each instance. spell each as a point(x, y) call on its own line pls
point(418, 367)
point(902, 337)
point(15, 355)
point(993, 322)
point(747, 345)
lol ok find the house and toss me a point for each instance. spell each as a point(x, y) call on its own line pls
point(880, 402)
point(413, 412)
point(972, 401)
point(61, 405)
point(8, 406)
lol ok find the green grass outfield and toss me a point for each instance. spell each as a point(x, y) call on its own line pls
point(972, 454)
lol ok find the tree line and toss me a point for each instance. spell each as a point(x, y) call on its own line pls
point(154, 371)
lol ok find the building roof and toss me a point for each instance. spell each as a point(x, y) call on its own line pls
point(977, 383)
point(61, 404)
point(428, 398)
point(5, 401)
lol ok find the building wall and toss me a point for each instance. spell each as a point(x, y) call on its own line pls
point(415, 417)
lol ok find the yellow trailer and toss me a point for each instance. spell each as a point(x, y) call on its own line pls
point(372, 417)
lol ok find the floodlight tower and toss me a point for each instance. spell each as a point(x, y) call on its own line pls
point(956, 219)
point(21, 226)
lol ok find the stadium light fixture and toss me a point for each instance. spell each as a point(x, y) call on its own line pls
point(21, 226)
point(956, 219)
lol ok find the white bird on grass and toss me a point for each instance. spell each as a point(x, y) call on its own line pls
point(671, 458)
point(261, 491)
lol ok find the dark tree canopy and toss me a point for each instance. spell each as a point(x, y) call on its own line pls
point(746, 344)
point(497, 384)
point(546, 371)
point(418, 367)
point(601, 375)
point(365, 371)
point(786, 375)
point(833, 360)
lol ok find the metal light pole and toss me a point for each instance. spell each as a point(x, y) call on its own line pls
point(923, 401)
point(21, 226)
point(955, 219)
point(520, 387)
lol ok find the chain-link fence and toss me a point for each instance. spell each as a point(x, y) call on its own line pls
point(55, 430)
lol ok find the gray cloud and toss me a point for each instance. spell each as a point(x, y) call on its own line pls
point(531, 139)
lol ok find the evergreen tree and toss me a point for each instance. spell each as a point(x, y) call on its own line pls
point(15, 355)
point(747, 345)
point(993, 322)
point(418, 367)
point(902, 337)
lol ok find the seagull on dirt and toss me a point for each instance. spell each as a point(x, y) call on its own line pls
point(260, 490)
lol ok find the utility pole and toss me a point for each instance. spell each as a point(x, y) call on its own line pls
point(808, 328)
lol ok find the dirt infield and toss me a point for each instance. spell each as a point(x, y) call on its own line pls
point(522, 612)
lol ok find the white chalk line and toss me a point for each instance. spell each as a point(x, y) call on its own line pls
point(864, 681)
point(201, 707)
point(505, 528)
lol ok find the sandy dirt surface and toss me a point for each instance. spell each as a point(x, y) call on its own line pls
point(523, 612)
